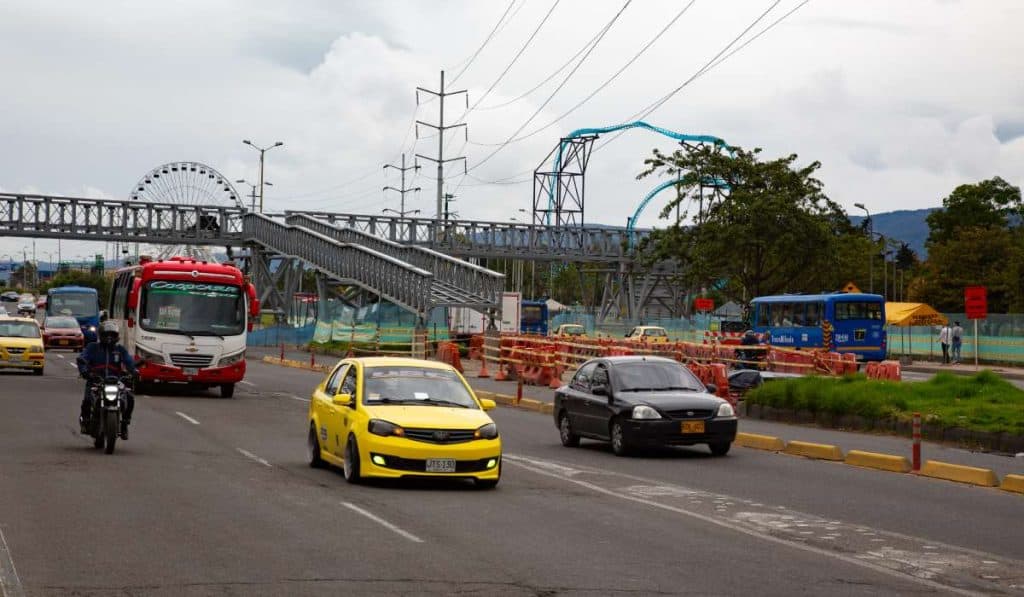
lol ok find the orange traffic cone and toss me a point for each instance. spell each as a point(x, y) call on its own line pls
point(483, 367)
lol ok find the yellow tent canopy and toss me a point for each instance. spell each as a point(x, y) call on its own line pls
point(909, 314)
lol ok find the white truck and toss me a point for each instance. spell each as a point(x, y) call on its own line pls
point(463, 320)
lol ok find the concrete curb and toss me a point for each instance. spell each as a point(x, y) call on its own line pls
point(972, 475)
point(882, 462)
point(1014, 483)
point(812, 450)
point(760, 442)
point(295, 364)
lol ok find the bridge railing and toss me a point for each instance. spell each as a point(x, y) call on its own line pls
point(45, 216)
point(405, 285)
point(469, 238)
point(483, 285)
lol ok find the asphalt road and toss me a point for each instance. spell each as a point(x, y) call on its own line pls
point(213, 497)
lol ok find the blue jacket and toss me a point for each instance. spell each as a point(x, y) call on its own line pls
point(97, 359)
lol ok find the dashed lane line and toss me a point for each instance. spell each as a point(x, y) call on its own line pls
point(186, 417)
point(391, 527)
point(247, 383)
point(10, 584)
point(299, 398)
point(254, 457)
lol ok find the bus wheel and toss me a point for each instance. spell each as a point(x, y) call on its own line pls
point(227, 390)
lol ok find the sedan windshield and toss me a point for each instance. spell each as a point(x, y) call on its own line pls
point(18, 329)
point(193, 308)
point(655, 376)
point(61, 323)
point(415, 385)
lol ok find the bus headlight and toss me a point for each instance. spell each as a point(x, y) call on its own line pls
point(143, 355)
point(231, 359)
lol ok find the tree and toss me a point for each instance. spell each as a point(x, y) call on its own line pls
point(992, 203)
point(976, 256)
point(776, 231)
point(79, 278)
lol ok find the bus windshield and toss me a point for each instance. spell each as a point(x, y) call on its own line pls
point(192, 308)
point(76, 304)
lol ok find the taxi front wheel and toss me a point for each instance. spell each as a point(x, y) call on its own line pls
point(351, 463)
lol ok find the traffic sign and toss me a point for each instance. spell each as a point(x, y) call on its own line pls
point(976, 302)
point(704, 304)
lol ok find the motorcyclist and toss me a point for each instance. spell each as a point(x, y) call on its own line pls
point(100, 360)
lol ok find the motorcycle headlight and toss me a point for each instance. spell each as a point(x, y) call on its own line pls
point(488, 431)
point(110, 393)
point(231, 359)
point(385, 428)
point(725, 410)
point(141, 354)
point(645, 412)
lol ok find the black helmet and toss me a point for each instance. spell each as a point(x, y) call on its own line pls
point(749, 334)
point(109, 334)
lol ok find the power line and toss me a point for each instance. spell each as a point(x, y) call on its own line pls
point(604, 31)
point(607, 82)
point(487, 40)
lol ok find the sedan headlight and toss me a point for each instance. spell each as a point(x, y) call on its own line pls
point(385, 428)
point(725, 410)
point(488, 431)
point(149, 356)
point(643, 412)
point(231, 359)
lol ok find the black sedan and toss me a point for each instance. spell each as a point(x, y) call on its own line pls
point(642, 402)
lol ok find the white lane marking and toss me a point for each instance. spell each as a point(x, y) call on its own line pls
point(186, 417)
point(247, 383)
point(382, 522)
point(60, 356)
point(10, 584)
point(252, 456)
point(72, 365)
point(522, 462)
point(294, 397)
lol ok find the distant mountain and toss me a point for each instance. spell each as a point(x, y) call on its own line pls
point(909, 226)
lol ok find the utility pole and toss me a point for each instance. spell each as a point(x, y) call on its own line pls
point(262, 151)
point(448, 197)
point(403, 190)
point(440, 128)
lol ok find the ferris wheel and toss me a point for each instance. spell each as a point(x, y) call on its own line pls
point(186, 183)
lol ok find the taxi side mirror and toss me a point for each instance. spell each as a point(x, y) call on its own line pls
point(487, 404)
point(342, 400)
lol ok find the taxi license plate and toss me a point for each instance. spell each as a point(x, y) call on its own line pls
point(190, 371)
point(440, 465)
point(693, 427)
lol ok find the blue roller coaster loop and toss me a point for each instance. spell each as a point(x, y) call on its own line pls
point(631, 223)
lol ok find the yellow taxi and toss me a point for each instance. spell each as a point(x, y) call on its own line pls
point(21, 344)
point(570, 330)
point(395, 417)
point(650, 334)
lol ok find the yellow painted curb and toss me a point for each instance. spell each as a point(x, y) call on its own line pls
point(883, 462)
point(1014, 483)
point(505, 399)
point(959, 473)
point(812, 450)
point(294, 364)
point(759, 442)
point(547, 408)
point(531, 404)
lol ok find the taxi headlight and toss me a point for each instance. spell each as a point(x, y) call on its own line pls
point(142, 354)
point(488, 431)
point(231, 359)
point(385, 428)
point(725, 410)
point(644, 412)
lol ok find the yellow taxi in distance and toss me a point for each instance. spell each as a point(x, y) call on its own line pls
point(648, 333)
point(21, 344)
point(396, 417)
point(570, 330)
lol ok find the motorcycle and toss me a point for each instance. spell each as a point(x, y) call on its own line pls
point(109, 401)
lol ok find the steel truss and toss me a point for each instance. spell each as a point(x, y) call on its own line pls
point(561, 191)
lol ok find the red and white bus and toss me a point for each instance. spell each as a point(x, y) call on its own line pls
point(185, 321)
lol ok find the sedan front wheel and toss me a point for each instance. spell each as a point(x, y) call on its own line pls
point(619, 446)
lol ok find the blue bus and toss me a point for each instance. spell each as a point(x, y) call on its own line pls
point(533, 317)
point(80, 302)
point(840, 322)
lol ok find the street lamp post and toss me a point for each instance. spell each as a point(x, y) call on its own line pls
point(871, 259)
point(252, 191)
point(401, 213)
point(262, 151)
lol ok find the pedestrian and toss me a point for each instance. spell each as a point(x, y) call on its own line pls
point(944, 341)
point(957, 334)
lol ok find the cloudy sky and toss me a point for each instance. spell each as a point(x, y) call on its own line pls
point(900, 101)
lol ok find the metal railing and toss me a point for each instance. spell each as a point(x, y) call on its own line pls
point(404, 285)
point(471, 285)
point(42, 216)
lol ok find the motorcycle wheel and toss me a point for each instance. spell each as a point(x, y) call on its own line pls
point(98, 440)
point(110, 428)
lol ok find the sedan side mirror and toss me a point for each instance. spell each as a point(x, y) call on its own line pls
point(711, 388)
point(599, 390)
point(342, 400)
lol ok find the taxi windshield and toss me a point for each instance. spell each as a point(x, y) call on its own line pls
point(18, 329)
point(416, 386)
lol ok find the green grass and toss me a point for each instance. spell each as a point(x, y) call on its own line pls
point(981, 402)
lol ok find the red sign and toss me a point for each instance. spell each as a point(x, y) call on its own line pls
point(704, 304)
point(976, 302)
